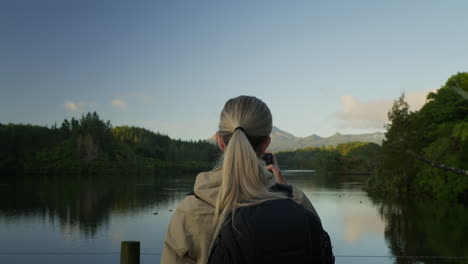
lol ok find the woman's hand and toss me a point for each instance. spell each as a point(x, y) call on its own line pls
point(275, 169)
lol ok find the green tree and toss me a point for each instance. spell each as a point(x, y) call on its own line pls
point(437, 132)
point(399, 138)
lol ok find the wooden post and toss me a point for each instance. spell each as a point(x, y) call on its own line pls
point(130, 252)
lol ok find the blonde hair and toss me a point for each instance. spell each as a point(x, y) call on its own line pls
point(245, 123)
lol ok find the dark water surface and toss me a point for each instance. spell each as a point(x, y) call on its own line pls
point(84, 220)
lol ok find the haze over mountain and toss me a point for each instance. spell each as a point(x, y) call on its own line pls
point(282, 140)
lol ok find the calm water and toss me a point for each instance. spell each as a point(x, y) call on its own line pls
point(91, 217)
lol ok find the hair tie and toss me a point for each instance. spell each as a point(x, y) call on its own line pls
point(240, 128)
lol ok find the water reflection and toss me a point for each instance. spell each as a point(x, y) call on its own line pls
point(95, 215)
point(415, 227)
point(85, 204)
point(358, 225)
point(343, 205)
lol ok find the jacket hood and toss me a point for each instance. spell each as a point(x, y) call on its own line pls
point(207, 185)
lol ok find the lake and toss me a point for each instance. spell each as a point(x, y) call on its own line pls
point(84, 220)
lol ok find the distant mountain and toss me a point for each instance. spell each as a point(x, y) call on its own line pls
point(291, 142)
point(282, 140)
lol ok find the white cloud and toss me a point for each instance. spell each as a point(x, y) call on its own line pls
point(373, 113)
point(119, 104)
point(78, 107)
point(71, 106)
point(416, 100)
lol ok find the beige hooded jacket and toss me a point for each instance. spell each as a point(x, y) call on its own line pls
point(190, 230)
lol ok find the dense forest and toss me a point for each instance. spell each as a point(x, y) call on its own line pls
point(353, 157)
point(426, 151)
point(90, 146)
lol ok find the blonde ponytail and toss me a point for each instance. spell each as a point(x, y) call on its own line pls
point(245, 123)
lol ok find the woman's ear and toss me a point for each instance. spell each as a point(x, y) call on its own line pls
point(265, 145)
point(220, 141)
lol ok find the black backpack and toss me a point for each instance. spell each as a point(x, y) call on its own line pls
point(277, 231)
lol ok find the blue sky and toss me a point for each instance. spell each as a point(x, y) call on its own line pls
point(169, 66)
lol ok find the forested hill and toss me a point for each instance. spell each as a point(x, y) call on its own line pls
point(346, 158)
point(436, 134)
point(89, 146)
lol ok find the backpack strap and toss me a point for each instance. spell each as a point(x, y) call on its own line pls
point(278, 187)
point(192, 193)
point(284, 188)
point(196, 196)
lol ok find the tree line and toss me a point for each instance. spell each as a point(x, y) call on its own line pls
point(90, 146)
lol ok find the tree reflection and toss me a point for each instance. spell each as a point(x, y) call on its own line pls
point(416, 227)
point(85, 204)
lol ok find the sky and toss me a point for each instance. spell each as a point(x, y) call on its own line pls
point(169, 66)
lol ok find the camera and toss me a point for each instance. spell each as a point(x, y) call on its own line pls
point(268, 158)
